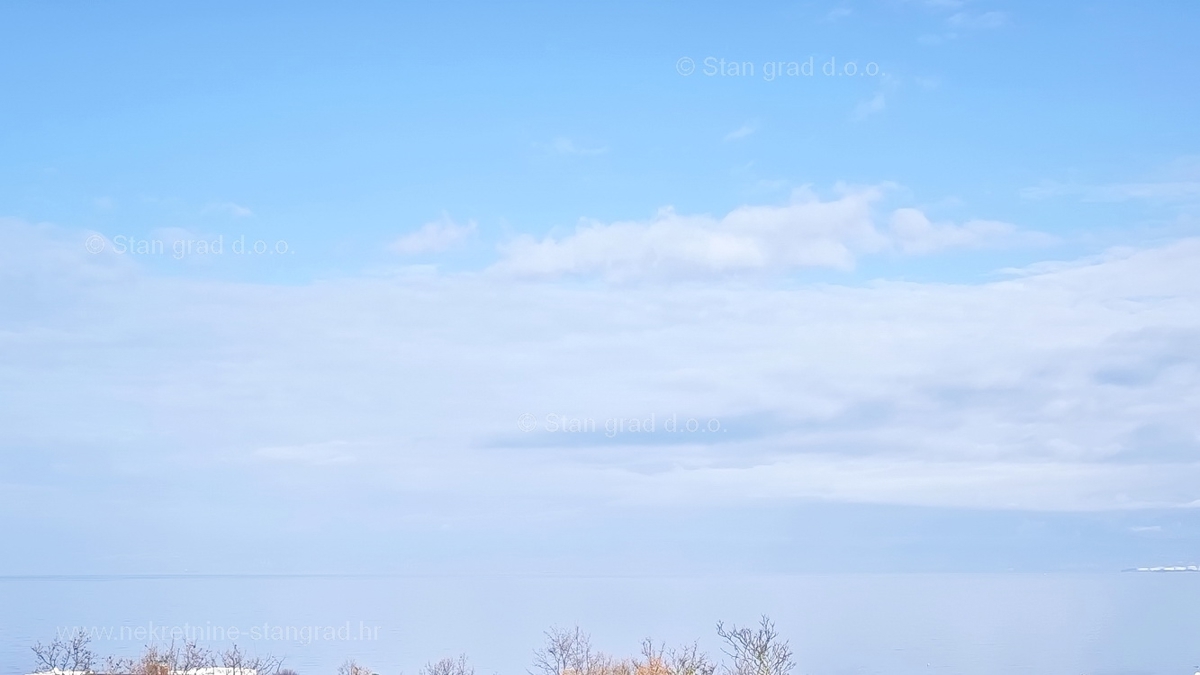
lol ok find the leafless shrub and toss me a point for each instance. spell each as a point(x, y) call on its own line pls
point(686, 660)
point(756, 652)
point(569, 652)
point(75, 654)
point(449, 666)
point(603, 664)
point(192, 656)
point(652, 661)
point(174, 658)
point(242, 664)
point(351, 667)
point(155, 661)
point(72, 653)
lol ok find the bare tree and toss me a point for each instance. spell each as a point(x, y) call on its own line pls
point(569, 652)
point(72, 653)
point(756, 652)
point(566, 651)
point(449, 666)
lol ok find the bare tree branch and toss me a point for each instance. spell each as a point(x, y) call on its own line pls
point(566, 651)
point(73, 653)
point(756, 652)
point(449, 666)
point(351, 667)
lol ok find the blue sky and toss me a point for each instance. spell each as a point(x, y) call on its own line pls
point(941, 314)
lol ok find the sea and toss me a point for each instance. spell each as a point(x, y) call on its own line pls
point(836, 624)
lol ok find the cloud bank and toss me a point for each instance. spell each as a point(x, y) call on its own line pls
point(1068, 387)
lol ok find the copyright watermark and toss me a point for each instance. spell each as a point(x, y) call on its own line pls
point(673, 423)
point(769, 71)
point(179, 249)
point(208, 632)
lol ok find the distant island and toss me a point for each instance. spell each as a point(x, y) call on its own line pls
point(1176, 568)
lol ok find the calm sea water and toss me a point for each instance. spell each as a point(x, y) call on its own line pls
point(1058, 624)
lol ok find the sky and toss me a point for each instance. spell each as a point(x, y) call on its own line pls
point(630, 288)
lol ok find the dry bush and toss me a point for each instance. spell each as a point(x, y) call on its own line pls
point(73, 653)
point(191, 656)
point(569, 652)
point(240, 663)
point(449, 666)
point(607, 665)
point(652, 661)
point(689, 660)
point(686, 660)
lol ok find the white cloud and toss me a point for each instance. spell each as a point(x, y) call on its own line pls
point(1165, 191)
point(872, 106)
point(877, 103)
point(566, 146)
point(913, 232)
point(741, 132)
point(964, 21)
point(229, 208)
point(805, 233)
point(1177, 181)
point(437, 235)
point(982, 21)
point(80, 259)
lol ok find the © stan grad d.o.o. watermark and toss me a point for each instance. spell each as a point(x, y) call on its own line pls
point(180, 248)
point(613, 426)
point(810, 67)
point(208, 632)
